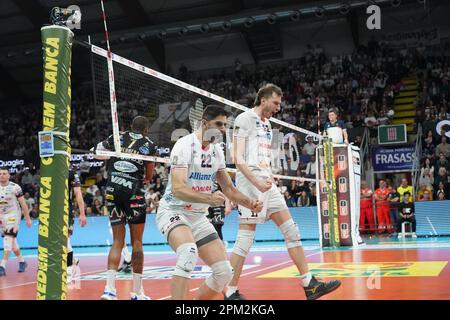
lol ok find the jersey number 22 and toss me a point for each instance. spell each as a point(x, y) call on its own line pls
point(206, 161)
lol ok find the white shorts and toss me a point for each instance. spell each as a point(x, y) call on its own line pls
point(273, 201)
point(169, 218)
point(9, 224)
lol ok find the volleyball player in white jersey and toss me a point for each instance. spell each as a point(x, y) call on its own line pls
point(252, 154)
point(196, 162)
point(11, 197)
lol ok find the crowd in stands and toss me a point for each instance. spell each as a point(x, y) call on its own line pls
point(361, 85)
point(434, 106)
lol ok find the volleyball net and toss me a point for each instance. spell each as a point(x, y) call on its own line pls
point(173, 107)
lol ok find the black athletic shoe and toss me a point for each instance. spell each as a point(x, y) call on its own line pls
point(22, 266)
point(235, 296)
point(316, 288)
point(126, 267)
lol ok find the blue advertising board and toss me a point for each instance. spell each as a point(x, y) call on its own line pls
point(393, 158)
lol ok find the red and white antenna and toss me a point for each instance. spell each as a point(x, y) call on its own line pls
point(106, 29)
point(112, 90)
point(318, 114)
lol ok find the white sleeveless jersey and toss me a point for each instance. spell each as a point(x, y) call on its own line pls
point(258, 140)
point(8, 198)
point(335, 134)
point(202, 166)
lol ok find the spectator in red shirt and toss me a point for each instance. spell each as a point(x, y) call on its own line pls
point(366, 207)
point(381, 194)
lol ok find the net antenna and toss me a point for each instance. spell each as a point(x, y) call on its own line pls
point(112, 92)
point(318, 114)
point(113, 103)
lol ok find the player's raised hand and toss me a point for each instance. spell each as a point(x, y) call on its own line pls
point(217, 199)
point(256, 206)
point(264, 185)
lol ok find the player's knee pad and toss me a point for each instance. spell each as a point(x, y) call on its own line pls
point(244, 242)
point(222, 273)
point(291, 234)
point(187, 255)
point(69, 245)
point(8, 243)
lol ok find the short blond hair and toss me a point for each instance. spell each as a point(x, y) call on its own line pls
point(267, 91)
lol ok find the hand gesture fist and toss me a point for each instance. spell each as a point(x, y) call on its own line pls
point(217, 199)
point(256, 206)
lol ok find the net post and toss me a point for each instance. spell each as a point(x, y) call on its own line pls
point(54, 195)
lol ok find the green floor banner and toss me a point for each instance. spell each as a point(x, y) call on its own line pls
point(54, 193)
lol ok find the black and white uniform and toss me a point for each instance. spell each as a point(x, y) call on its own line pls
point(125, 198)
point(202, 166)
point(10, 211)
point(74, 181)
point(216, 215)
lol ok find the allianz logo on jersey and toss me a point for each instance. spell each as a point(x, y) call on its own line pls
point(124, 166)
point(200, 176)
point(122, 182)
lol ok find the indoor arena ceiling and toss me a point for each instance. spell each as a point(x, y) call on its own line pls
point(150, 22)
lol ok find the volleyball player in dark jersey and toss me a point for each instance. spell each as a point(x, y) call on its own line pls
point(74, 193)
point(126, 202)
point(216, 215)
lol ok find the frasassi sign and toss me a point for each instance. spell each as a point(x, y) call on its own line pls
point(393, 158)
